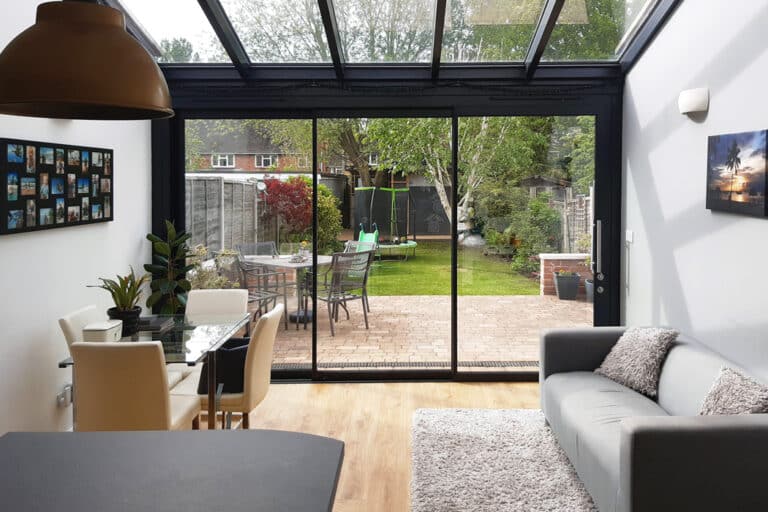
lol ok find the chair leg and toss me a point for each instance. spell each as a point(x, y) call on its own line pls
point(196, 422)
point(228, 415)
point(344, 305)
point(246, 420)
point(330, 317)
point(223, 420)
point(285, 307)
point(365, 315)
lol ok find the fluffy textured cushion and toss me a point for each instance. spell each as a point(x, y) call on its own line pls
point(635, 361)
point(735, 393)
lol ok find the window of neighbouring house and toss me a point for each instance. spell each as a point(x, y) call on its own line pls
point(373, 159)
point(266, 160)
point(218, 161)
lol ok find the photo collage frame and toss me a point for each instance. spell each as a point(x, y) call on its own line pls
point(52, 185)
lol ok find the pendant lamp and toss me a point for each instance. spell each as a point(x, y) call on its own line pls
point(78, 62)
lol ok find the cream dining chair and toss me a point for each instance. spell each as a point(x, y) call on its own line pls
point(257, 374)
point(216, 302)
point(72, 326)
point(123, 386)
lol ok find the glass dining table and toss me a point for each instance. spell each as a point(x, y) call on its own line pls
point(191, 340)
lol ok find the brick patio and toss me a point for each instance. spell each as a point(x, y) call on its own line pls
point(495, 333)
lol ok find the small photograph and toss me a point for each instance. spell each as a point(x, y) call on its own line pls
point(85, 158)
point(107, 207)
point(46, 216)
point(46, 156)
point(83, 186)
point(97, 159)
point(86, 208)
point(107, 163)
point(95, 185)
point(15, 219)
point(31, 160)
point(15, 153)
point(59, 161)
point(106, 185)
point(31, 213)
point(13, 186)
point(45, 186)
point(73, 214)
point(95, 211)
point(61, 211)
point(28, 186)
point(73, 157)
point(71, 186)
point(57, 186)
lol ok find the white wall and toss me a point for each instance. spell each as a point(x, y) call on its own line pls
point(43, 275)
point(700, 271)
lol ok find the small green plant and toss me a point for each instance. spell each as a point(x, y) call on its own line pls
point(125, 290)
point(206, 277)
point(169, 268)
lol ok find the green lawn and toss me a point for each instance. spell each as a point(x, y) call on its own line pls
point(429, 273)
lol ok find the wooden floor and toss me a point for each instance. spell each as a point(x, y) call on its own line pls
point(374, 421)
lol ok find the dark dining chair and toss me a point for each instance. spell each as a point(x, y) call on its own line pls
point(346, 280)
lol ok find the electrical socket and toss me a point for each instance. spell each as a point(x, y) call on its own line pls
point(64, 398)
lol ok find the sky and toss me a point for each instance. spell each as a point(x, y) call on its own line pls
point(166, 19)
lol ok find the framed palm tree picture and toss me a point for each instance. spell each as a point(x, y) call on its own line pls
point(736, 173)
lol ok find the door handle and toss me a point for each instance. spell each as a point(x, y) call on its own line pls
point(599, 249)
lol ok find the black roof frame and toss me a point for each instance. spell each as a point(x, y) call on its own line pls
point(340, 71)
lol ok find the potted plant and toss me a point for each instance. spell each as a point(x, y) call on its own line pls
point(589, 284)
point(126, 292)
point(566, 284)
point(169, 268)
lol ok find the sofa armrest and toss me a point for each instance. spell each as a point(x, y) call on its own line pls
point(702, 463)
point(579, 349)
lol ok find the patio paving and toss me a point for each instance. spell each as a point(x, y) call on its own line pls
point(495, 333)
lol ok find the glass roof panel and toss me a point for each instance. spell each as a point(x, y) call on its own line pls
point(279, 31)
point(489, 30)
point(187, 38)
point(386, 30)
point(595, 30)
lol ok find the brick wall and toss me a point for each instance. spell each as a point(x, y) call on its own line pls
point(550, 263)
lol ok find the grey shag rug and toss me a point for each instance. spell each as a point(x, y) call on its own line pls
point(473, 460)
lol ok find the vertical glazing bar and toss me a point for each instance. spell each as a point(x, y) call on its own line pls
point(314, 248)
point(454, 248)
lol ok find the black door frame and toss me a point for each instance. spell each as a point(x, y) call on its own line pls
point(602, 100)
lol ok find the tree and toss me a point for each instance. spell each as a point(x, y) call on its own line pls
point(732, 163)
point(178, 49)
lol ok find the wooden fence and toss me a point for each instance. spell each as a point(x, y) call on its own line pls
point(224, 212)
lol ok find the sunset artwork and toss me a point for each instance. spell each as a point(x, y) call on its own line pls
point(736, 173)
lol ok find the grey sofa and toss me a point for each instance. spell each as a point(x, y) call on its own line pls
point(640, 455)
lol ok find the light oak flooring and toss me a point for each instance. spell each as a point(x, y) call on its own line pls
point(374, 421)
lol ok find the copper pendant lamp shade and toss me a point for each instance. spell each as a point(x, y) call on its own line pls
point(78, 62)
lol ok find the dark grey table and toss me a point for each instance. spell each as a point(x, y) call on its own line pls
point(233, 471)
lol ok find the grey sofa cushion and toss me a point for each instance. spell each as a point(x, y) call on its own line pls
point(688, 373)
point(735, 393)
point(635, 361)
point(585, 412)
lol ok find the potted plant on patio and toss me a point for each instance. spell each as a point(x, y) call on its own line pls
point(126, 292)
point(589, 284)
point(566, 284)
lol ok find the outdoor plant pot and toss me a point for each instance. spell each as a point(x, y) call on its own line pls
point(566, 286)
point(589, 287)
point(130, 319)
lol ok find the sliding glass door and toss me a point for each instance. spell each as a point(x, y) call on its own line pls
point(526, 191)
point(386, 181)
point(466, 267)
